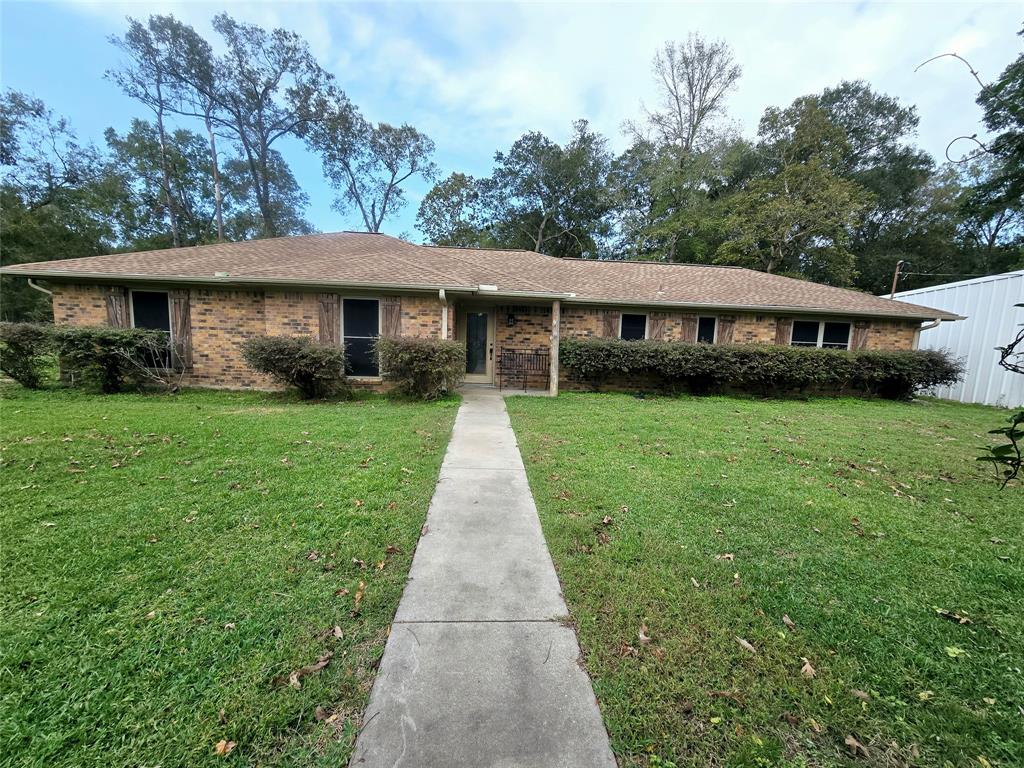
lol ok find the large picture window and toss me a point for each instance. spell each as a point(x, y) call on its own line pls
point(814, 333)
point(360, 326)
point(633, 327)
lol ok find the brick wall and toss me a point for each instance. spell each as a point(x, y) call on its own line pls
point(421, 317)
point(291, 314)
point(892, 334)
point(221, 322)
point(531, 331)
point(80, 304)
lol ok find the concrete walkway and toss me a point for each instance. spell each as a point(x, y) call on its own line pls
point(478, 670)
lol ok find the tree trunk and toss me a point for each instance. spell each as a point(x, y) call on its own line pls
point(218, 198)
point(172, 215)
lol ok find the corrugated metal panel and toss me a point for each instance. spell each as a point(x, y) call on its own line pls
point(988, 304)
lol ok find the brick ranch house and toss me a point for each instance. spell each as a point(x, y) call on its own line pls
point(510, 307)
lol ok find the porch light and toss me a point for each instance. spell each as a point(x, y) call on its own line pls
point(510, 320)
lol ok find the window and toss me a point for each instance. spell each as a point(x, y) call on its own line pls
point(633, 327)
point(706, 330)
point(811, 333)
point(152, 309)
point(360, 326)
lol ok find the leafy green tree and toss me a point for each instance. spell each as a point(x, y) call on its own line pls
point(1003, 105)
point(548, 198)
point(451, 213)
point(137, 163)
point(54, 198)
point(287, 200)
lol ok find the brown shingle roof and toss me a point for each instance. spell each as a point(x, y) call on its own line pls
point(362, 259)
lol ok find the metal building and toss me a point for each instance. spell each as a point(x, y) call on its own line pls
point(992, 319)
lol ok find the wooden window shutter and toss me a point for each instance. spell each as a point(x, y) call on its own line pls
point(117, 308)
point(391, 317)
point(330, 319)
point(689, 332)
point(611, 324)
point(657, 330)
point(181, 330)
point(726, 327)
point(783, 330)
point(859, 340)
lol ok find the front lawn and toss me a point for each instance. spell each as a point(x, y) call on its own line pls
point(172, 563)
point(689, 532)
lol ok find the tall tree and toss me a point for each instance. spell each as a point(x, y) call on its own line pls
point(693, 78)
point(270, 87)
point(145, 77)
point(287, 200)
point(369, 164)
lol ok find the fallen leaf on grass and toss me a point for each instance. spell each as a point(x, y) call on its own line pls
point(607, 520)
point(313, 555)
point(360, 591)
point(731, 695)
point(983, 761)
point(223, 748)
point(642, 635)
point(295, 678)
point(358, 563)
point(392, 550)
point(727, 556)
point(696, 584)
point(790, 718)
point(745, 645)
point(381, 564)
point(229, 626)
point(953, 616)
point(788, 622)
point(925, 695)
point(807, 670)
point(862, 695)
point(856, 748)
point(222, 717)
point(954, 652)
point(340, 592)
point(988, 700)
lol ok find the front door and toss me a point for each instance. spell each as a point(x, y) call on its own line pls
point(479, 346)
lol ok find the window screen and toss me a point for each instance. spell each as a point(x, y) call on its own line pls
point(151, 310)
point(361, 324)
point(805, 333)
point(836, 336)
point(706, 330)
point(633, 327)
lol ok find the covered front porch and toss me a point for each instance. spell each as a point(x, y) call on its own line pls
point(511, 346)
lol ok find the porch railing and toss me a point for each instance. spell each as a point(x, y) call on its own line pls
point(516, 363)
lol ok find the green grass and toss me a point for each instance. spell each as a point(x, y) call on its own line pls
point(168, 561)
point(856, 519)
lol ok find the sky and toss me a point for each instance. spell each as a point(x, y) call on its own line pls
point(476, 76)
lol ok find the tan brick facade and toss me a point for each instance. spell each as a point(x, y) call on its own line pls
point(223, 319)
point(80, 304)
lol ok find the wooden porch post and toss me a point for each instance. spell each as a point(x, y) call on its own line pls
point(556, 319)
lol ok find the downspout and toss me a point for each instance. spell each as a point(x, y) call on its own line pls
point(39, 288)
point(928, 327)
point(444, 313)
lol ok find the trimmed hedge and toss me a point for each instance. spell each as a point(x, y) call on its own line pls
point(422, 368)
point(112, 358)
point(767, 370)
point(316, 370)
point(26, 349)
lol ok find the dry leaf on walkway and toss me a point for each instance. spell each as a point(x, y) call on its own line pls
point(856, 748)
point(807, 670)
point(745, 645)
point(788, 622)
point(295, 677)
point(223, 748)
point(642, 635)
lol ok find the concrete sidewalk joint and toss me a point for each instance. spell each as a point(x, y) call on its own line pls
point(480, 668)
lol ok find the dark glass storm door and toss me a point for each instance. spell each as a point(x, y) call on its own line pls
point(476, 343)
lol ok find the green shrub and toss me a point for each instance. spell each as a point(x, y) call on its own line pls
point(422, 368)
point(112, 358)
point(316, 370)
point(26, 349)
point(759, 368)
